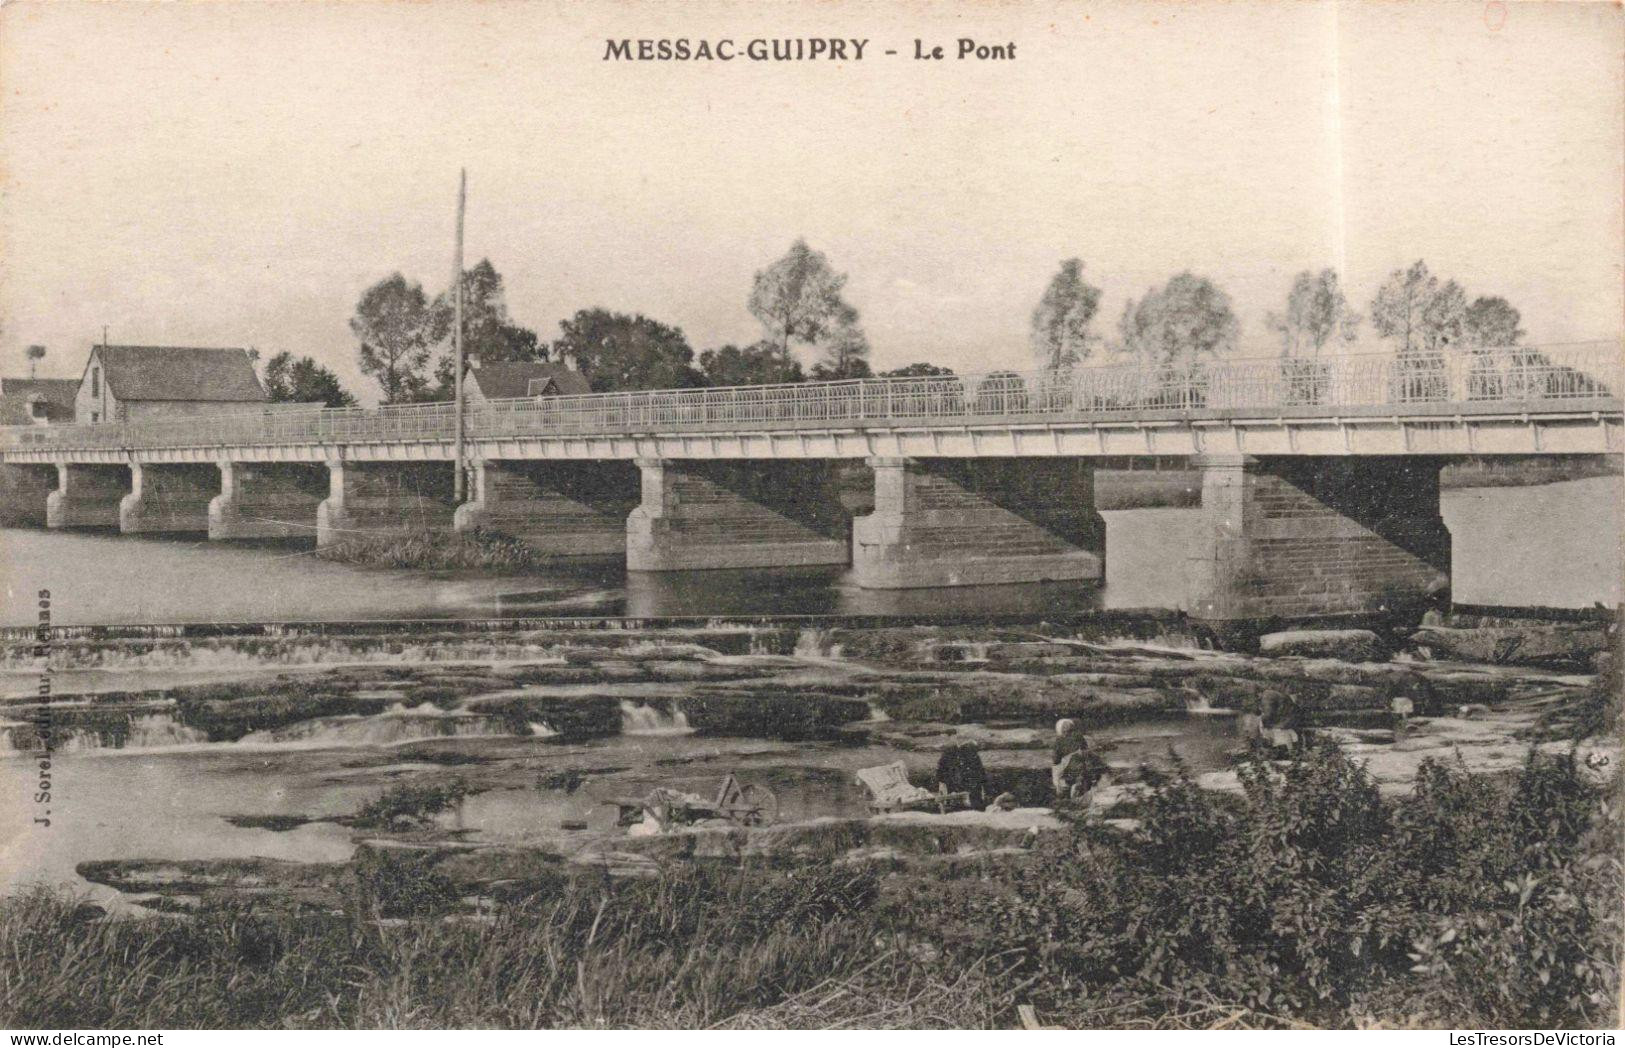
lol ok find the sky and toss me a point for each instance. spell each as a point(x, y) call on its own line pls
point(238, 174)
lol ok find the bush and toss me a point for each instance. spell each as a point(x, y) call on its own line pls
point(428, 550)
point(414, 801)
point(1310, 898)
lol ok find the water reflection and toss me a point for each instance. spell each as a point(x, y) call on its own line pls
point(1567, 538)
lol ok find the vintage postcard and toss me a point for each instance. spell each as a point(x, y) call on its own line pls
point(1102, 514)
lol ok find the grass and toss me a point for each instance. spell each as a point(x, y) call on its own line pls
point(427, 550)
point(1475, 902)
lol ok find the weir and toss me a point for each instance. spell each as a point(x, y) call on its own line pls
point(963, 522)
point(1317, 538)
point(373, 498)
point(267, 500)
point(87, 496)
point(168, 498)
point(566, 509)
point(730, 514)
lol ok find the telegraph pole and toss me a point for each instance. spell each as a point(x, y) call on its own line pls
point(457, 342)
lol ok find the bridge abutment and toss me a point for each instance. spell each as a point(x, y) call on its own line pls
point(23, 491)
point(1311, 538)
point(86, 496)
point(969, 522)
point(263, 500)
point(565, 509)
point(167, 498)
point(373, 498)
point(735, 514)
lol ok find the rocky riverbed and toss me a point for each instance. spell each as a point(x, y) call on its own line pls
point(279, 743)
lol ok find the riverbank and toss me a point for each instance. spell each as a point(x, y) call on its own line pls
point(438, 797)
point(1311, 901)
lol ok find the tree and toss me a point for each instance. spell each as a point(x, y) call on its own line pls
point(489, 334)
point(832, 370)
point(798, 300)
point(846, 350)
point(1417, 312)
point(917, 371)
point(1060, 333)
point(1316, 312)
point(391, 322)
point(303, 381)
point(35, 355)
point(1444, 318)
point(1180, 323)
point(1491, 321)
point(761, 364)
point(616, 351)
point(1396, 310)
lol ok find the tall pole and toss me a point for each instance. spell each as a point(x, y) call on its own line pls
point(457, 342)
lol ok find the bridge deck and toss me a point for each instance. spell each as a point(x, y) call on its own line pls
point(1477, 401)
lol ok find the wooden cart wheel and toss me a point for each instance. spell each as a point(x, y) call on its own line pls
point(760, 803)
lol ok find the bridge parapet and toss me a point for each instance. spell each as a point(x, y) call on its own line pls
point(1576, 378)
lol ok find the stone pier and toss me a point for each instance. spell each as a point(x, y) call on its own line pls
point(23, 491)
point(735, 514)
point(87, 496)
point(377, 498)
point(168, 498)
point(1313, 538)
point(566, 509)
point(966, 522)
point(264, 500)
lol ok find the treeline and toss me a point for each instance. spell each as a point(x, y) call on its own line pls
point(1190, 318)
point(403, 335)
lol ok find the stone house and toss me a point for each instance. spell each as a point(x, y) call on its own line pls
point(133, 382)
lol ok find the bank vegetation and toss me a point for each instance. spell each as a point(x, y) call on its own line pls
point(1310, 900)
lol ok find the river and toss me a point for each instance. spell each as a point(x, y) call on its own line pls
point(1555, 545)
point(138, 779)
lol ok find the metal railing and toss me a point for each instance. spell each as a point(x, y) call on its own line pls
point(1574, 377)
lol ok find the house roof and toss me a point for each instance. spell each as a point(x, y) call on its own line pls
point(57, 392)
point(179, 373)
point(528, 380)
point(13, 410)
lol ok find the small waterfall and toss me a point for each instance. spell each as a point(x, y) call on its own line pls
point(877, 715)
point(542, 730)
point(161, 729)
point(816, 644)
point(149, 731)
point(384, 729)
point(1197, 704)
point(638, 719)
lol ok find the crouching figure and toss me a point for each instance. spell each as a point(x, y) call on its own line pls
point(1074, 768)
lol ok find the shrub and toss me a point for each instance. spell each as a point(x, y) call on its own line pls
point(415, 801)
point(428, 550)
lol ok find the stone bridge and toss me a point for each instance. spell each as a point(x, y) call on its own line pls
point(1320, 476)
